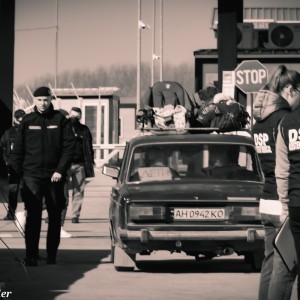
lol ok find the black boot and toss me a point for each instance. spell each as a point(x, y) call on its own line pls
point(10, 216)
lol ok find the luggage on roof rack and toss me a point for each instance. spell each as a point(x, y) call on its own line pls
point(164, 93)
point(224, 113)
point(165, 105)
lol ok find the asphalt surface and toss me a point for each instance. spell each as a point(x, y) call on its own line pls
point(88, 247)
point(84, 270)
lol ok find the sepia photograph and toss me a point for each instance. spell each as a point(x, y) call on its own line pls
point(149, 149)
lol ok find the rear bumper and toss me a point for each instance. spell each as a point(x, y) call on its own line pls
point(145, 236)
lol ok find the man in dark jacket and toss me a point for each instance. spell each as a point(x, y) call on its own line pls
point(7, 144)
point(42, 154)
point(82, 163)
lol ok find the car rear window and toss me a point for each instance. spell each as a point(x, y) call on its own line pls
point(166, 162)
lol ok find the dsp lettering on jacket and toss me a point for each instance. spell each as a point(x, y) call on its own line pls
point(294, 139)
point(261, 140)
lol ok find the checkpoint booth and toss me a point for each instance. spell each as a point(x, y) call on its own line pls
point(100, 112)
point(206, 67)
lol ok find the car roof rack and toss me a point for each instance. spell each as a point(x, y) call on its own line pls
point(180, 131)
point(212, 130)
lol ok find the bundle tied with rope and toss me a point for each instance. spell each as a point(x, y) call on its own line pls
point(224, 113)
point(166, 105)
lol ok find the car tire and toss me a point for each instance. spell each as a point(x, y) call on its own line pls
point(124, 269)
point(112, 252)
point(112, 246)
point(123, 261)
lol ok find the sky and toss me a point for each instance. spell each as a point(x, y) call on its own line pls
point(93, 33)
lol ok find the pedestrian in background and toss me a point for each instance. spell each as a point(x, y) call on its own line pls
point(42, 154)
point(7, 144)
point(288, 171)
point(271, 104)
point(63, 233)
point(82, 165)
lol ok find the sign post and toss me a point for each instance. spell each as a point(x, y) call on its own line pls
point(250, 76)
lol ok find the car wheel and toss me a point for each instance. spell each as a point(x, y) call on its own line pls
point(255, 259)
point(123, 261)
point(112, 246)
point(124, 269)
point(112, 252)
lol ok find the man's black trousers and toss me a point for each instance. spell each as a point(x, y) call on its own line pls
point(33, 192)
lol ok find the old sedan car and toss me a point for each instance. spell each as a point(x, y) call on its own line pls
point(195, 192)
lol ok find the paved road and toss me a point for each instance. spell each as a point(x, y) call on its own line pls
point(84, 270)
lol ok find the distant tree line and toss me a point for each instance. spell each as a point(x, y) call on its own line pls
point(121, 76)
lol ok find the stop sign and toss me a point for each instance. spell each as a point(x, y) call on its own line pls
point(250, 76)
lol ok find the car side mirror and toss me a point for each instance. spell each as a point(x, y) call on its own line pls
point(111, 171)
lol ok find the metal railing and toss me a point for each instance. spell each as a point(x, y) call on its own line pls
point(106, 152)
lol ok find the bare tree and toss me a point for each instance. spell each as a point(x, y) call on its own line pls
point(121, 76)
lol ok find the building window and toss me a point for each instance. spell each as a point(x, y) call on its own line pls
point(91, 121)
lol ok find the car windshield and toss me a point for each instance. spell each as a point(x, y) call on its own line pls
point(168, 162)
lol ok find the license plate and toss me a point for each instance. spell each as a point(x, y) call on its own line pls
point(199, 213)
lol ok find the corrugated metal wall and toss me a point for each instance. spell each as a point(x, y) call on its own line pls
point(269, 14)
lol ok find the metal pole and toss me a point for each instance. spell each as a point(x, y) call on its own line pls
point(138, 75)
point(252, 100)
point(56, 47)
point(29, 91)
point(153, 44)
point(161, 41)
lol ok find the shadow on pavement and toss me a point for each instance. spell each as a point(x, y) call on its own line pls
point(47, 281)
point(218, 265)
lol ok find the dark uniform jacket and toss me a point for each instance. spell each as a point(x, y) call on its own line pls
point(6, 145)
point(7, 141)
point(288, 164)
point(84, 140)
point(269, 108)
point(44, 145)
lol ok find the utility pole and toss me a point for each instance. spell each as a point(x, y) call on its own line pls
point(7, 37)
point(138, 74)
point(141, 25)
point(56, 49)
point(229, 14)
point(153, 43)
point(161, 41)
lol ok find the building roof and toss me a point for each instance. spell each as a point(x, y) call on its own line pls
point(255, 53)
point(101, 91)
point(262, 16)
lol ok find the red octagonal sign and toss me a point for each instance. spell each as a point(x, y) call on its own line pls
point(250, 76)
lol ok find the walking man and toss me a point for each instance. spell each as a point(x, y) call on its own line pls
point(42, 154)
point(7, 144)
point(82, 164)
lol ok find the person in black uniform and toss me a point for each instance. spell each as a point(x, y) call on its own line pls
point(287, 172)
point(7, 144)
point(272, 103)
point(42, 153)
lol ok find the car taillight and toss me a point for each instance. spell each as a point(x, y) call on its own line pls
point(140, 213)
